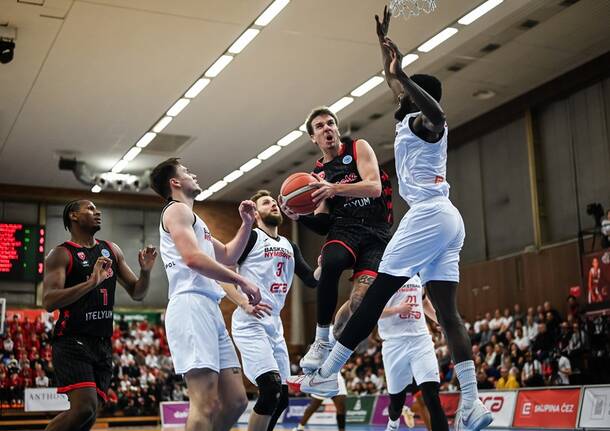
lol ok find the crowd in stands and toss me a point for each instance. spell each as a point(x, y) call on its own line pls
point(511, 349)
point(142, 376)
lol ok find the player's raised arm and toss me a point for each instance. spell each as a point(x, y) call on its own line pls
point(54, 294)
point(135, 286)
point(434, 117)
point(229, 253)
point(178, 220)
point(382, 27)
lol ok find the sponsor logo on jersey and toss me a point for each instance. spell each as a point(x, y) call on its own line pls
point(347, 159)
point(271, 252)
point(105, 253)
point(81, 255)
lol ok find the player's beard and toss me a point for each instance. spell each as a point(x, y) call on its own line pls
point(273, 220)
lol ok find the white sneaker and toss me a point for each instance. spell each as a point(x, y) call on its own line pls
point(315, 356)
point(299, 428)
point(408, 416)
point(476, 419)
point(392, 425)
point(315, 384)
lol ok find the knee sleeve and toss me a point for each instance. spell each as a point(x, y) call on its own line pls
point(335, 259)
point(269, 391)
point(283, 400)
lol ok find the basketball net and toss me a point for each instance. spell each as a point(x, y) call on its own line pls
point(409, 8)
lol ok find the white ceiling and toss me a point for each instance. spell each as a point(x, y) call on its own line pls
point(90, 77)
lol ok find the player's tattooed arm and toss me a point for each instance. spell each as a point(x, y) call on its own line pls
point(54, 293)
point(136, 287)
point(433, 116)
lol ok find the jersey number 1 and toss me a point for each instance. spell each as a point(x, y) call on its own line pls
point(104, 296)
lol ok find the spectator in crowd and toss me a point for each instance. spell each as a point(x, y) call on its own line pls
point(496, 323)
point(531, 374)
point(42, 381)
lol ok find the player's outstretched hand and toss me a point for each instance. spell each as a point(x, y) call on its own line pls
point(383, 26)
point(246, 212)
point(289, 213)
point(325, 190)
point(100, 270)
point(396, 56)
point(251, 291)
point(259, 310)
point(147, 257)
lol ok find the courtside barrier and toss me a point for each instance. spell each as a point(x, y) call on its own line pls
point(586, 407)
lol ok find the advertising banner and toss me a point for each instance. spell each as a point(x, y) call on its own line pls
point(595, 410)
point(450, 402)
point(174, 413)
point(360, 409)
point(501, 405)
point(549, 408)
point(45, 400)
point(295, 410)
point(380, 414)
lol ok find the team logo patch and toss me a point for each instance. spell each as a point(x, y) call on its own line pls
point(81, 255)
point(347, 159)
point(105, 253)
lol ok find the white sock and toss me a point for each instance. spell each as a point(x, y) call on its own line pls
point(395, 423)
point(336, 360)
point(322, 332)
point(468, 383)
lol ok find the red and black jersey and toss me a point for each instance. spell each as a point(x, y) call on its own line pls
point(92, 314)
point(343, 169)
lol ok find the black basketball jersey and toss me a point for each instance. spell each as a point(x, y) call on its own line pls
point(343, 169)
point(92, 314)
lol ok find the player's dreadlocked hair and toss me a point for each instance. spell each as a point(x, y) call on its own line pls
point(70, 207)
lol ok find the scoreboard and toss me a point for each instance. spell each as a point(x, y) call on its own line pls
point(21, 252)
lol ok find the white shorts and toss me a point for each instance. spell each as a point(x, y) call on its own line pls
point(408, 357)
point(342, 388)
point(428, 241)
point(261, 345)
point(197, 335)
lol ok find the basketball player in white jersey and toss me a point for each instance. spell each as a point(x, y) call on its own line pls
point(271, 261)
point(428, 240)
point(198, 339)
point(408, 352)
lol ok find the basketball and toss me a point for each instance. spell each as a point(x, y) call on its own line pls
point(296, 193)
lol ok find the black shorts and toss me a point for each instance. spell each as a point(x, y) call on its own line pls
point(82, 362)
point(366, 242)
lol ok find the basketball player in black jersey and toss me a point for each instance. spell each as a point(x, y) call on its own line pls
point(80, 280)
point(354, 211)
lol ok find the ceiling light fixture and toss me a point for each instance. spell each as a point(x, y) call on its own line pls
point(290, 138)
point(269, 152)
point(478, 12)
point(271, 12)
point(435, 41)
point(243, 40)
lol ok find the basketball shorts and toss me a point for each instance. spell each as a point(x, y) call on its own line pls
point(365, 242)
point(82, 362)
point(261, 345)
point(197, 335)
point(428, 241)
point(408, 358)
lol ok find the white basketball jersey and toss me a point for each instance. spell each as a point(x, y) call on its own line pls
point(421, 167)
point(270, 265)
point(181, 278)
point(412, 323)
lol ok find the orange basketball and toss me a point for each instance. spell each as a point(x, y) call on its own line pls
point(296, 193)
